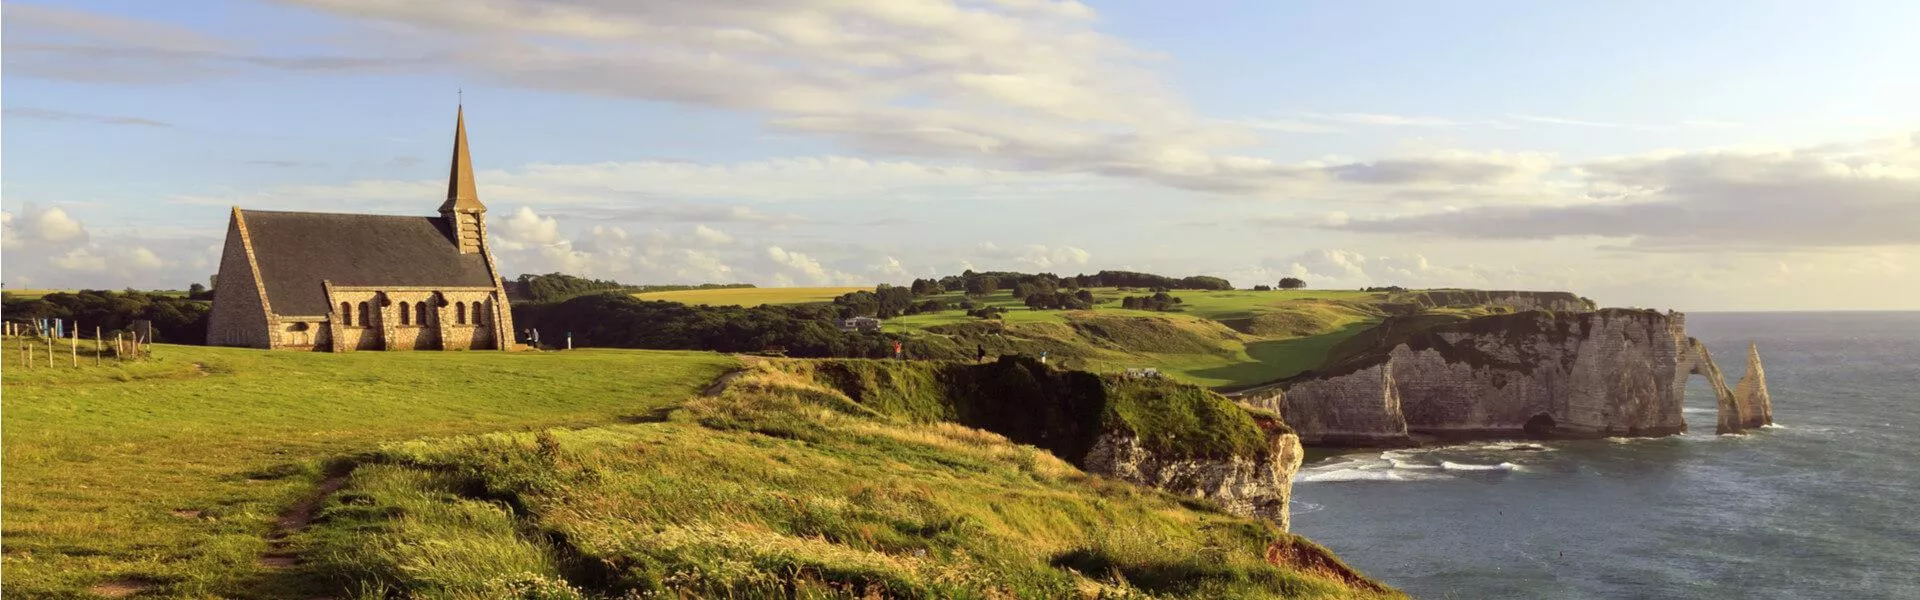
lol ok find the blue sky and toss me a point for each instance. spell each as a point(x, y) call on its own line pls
point(1694, 155)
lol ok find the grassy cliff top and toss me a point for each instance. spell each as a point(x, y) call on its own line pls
point(1228, 339)
point(165, 478)
point(782, 487)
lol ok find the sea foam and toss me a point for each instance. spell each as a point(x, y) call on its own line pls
point(1454, 466)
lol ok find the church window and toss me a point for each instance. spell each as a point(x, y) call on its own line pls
point(346, 314)
point(422, 307)
point(480, 312)
point(404, 314)
point(366, 316)
point(460, 313)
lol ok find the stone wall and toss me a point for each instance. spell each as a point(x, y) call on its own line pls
point(239, 314)
point(302, 334)
point(351, 335)
point(457, 319)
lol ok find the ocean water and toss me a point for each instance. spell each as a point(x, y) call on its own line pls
point(1825, 505)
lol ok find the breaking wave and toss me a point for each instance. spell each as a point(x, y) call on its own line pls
point(1364, 474)
point(1454, 466)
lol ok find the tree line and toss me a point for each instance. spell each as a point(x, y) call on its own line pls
point(176, 320)
point(618, 320)
point(554, 287)
point(988, 282)
point(1045, 291)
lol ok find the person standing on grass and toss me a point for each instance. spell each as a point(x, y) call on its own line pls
point(1043, 357)
point(896, 351)
point(980, 354)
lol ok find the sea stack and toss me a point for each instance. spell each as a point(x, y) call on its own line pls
point(1751, 393)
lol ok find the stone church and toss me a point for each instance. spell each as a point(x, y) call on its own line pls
point(344, 282)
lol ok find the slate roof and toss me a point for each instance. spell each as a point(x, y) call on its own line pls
point(297, 250)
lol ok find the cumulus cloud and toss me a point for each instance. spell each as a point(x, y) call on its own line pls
point(531, 242)
point(1031, 256)
point(41, 229)
point(710, 235)
point(48, 247)
point(1842, 195)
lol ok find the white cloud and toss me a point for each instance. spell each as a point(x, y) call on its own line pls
point(38, 229)
point(524, 229)
point(1835, 196)
point(1377, 119)
point(710, 235)
point(1566, 121)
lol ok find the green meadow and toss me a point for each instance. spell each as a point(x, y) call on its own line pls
point(1219, 338)
point(568, 475)
point(167, 474)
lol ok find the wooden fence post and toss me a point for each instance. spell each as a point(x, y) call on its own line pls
point(73, 345)
point(96, 345)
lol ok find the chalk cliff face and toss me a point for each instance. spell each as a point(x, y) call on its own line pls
point(1609, 372)
point(1362, 408)
point(1256, 486)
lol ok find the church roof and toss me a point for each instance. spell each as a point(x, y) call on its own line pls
point(297, 250)
point(461, 194)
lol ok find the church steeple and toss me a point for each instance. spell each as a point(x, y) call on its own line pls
point(465, 215)
point(460, 190)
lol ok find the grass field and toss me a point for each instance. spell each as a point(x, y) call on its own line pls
point(169, 473)
point(751, 296)
point(165, 477)
point(1226, 339)
point(780, 488)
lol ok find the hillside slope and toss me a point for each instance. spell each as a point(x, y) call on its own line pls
point(784, 487)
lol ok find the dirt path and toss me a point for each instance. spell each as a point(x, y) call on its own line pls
point(720, 383)
point(120, 588)
point(295, 519)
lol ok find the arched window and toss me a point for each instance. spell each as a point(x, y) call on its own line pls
point(460, 313)
point(480, 312)
point(422, 308)
point(406, 318)
point(346, 314)
point(366, 316)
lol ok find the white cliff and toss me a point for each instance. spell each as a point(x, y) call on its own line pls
point(1612, 372)
point(1260, 485)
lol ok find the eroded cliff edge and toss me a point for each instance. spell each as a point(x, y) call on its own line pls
point(1157, 433)
point(1608, 372)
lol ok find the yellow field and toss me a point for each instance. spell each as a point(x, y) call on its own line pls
point(751, 296)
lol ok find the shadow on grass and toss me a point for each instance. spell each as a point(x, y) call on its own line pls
point(1274, 360)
